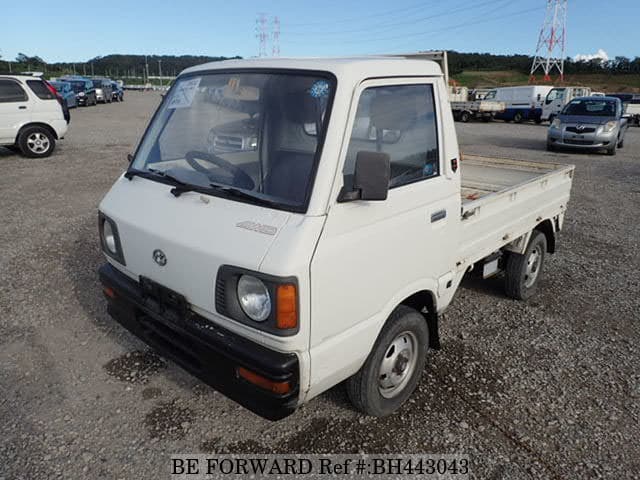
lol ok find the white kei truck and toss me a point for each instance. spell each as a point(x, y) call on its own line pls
point(285, 225)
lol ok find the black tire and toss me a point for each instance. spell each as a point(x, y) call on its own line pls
point(538, 120)
point(36, 142)
point(611, 151)
point(551, 147)
point(486, 118)
point(465, 117)
point(621, 143)
point(523, 272)
point(551, 119)
point(405, 326)
point(518, 117)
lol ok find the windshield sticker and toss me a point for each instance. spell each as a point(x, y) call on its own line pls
point(319, 89)
point(183, 95)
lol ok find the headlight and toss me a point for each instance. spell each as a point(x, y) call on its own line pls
point(81, 94)
point(556, 123)
point(109, 238)
point(254, 298)
point(610, 126)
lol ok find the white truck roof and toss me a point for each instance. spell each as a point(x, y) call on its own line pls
point(349, 68)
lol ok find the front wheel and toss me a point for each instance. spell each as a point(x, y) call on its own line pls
point(394, 367)
point(465, 117)
point(36, 142)
point(612, 149)
point(518, 117)
point(523, 272)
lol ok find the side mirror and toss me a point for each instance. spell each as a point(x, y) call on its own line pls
point(370, 179)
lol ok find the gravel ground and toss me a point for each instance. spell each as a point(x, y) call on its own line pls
point(544, 389)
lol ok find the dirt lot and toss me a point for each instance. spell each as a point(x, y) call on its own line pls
point(544, 389)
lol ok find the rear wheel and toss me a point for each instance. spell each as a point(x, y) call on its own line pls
point(621, 143)
point(518, 117)
point(465, 117)
point(523, 272)
point(394, 366)
point(36, 142)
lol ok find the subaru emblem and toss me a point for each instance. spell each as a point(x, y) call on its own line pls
point(159, 257)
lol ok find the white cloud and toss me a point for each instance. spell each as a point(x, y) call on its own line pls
point(600, 54)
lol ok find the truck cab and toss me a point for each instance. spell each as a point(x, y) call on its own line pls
point(558, 97)
point(321, 238)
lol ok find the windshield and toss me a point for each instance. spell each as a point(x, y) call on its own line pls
point(555, 94)
point(78, 86)
point(491, 94)
point(247, 131)
point(591, 107)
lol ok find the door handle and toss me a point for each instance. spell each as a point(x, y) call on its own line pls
point(22, 107)
point(439, 215)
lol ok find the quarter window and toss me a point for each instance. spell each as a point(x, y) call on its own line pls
point(40, 89)
point(10, 91)
point(400, 121)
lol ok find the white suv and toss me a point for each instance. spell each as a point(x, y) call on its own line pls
point(32, 117)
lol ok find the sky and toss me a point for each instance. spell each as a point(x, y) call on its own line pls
point(78, 31)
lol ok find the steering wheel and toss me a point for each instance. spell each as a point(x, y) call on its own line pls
point(240, 178)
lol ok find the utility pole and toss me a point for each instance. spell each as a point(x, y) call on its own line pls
point(261, 34)
point(84, 69)
point(160, 71)
point(550, 51)
point(92, 69)
point(146, 70)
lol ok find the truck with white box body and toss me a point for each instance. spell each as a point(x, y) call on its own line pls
point(322, 243)
point(523, 103)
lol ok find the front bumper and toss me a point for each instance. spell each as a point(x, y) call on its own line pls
point(206, 350)
point(589, 141)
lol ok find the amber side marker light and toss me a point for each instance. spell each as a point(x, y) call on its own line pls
point(108, 291)
point(286, 307)
point(276, 387)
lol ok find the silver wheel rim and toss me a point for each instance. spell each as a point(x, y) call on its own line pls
point(534, 261)
point(38, 142)
point(398, 364)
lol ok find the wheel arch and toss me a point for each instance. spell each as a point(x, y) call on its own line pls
point(424, 301)
point(546, 227)
point(46, 126)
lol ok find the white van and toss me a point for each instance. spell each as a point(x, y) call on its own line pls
point(558, 97)
point(522, 103)
point(309, 222)
point(32, 117)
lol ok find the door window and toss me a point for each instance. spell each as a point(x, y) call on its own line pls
point(10, 91)
point(399, 120)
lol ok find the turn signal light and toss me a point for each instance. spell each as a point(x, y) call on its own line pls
point(279, 388)
point(286, 306)
point(108, 291)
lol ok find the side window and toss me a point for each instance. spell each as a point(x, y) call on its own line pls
point(400, 121)
point(40, 89)
point(11, 91)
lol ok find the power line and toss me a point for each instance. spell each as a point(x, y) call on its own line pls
point(390, 26)
point(386, 13)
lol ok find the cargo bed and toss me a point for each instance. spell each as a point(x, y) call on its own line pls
point(503, 199)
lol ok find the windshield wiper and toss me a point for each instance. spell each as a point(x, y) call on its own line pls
point(180, 186)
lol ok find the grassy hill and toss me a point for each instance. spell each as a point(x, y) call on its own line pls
point(598, 82)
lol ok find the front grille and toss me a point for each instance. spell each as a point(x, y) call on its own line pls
point(584, 130)
point(578, 142)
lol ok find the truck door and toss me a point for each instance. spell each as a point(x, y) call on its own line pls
point(372, 252)
point(14, 111)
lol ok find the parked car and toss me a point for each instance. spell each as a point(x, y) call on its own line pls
point(118, 92)
point(589, 123)
point(84, 90)
point(66, 92)
point(32, 118)
point(104, 91)
point(315, 255)
point(521, 103)
point(631, 106)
